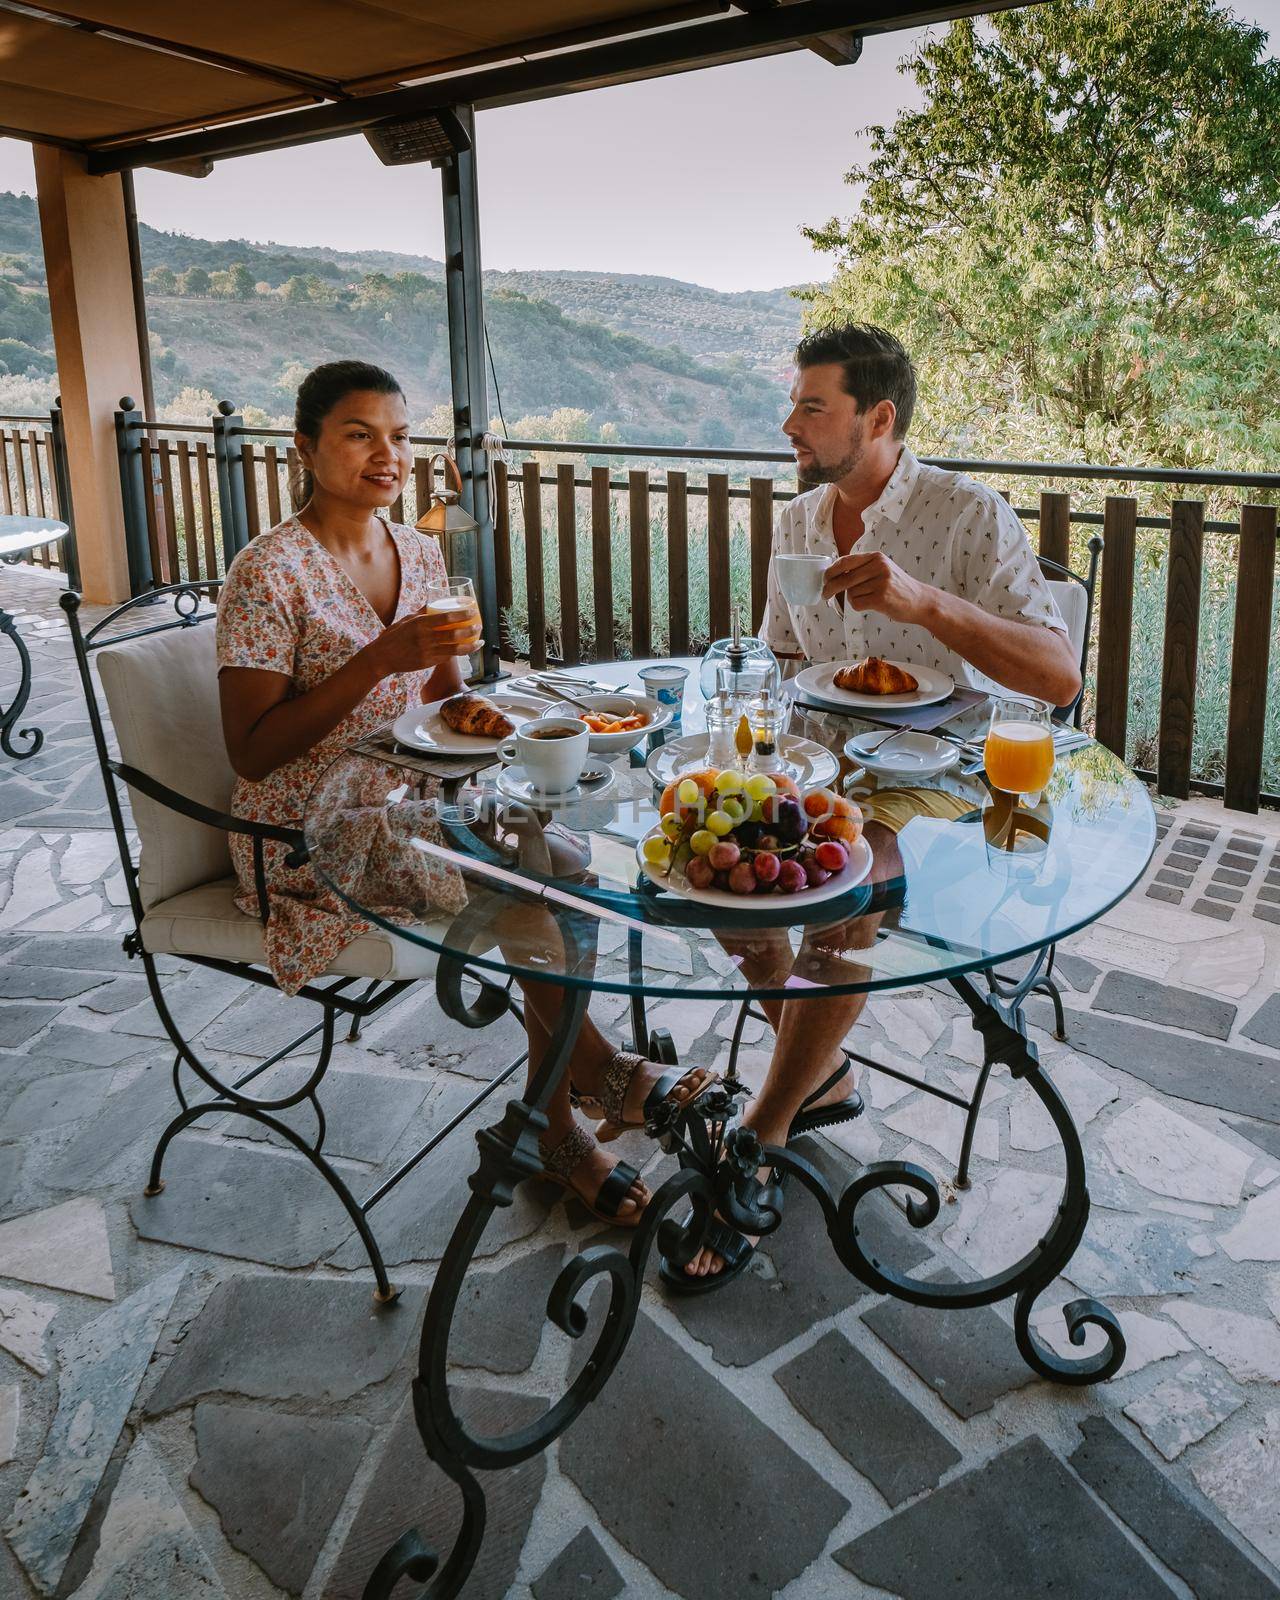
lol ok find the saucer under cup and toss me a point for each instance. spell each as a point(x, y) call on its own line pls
point(906, 755)
point(552, 751)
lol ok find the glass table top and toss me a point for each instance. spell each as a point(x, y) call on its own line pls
point(555, 891)
point(21, 534)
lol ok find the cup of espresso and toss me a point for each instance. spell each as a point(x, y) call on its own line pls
point(553, 751)
point(800, 578)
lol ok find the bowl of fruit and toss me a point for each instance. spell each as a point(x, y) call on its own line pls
point(728, 839)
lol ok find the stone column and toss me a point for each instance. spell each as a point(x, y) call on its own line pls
point(86, 253)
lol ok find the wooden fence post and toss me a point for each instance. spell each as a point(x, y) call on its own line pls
point(1115, 631)
point(718, 596)
point(1055, 526)
point(641, 600)
point(1181, 643)
point(567, 540)
point(533, 578)
point(677, 564)
point(602, 560)
point(761, 526)
point(1250, 657)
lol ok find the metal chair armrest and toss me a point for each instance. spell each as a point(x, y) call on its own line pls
point(225, 823)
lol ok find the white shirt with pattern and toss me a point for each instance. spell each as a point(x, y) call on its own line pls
point(940, 527)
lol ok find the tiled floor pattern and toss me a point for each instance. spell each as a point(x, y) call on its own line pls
point(198, 1399)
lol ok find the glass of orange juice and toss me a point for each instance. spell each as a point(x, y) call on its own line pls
point(1019, 751)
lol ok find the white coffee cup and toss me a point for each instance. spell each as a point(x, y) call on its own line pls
point(800, 578)
point(552, 750)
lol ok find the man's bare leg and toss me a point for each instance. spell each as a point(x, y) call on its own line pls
point(809, 1033)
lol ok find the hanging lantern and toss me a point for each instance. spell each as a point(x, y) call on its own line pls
point(445, 516)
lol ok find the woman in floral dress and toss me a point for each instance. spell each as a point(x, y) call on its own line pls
point(323, 641)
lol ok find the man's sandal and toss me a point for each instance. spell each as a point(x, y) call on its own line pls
point(805, 1120)
point(563, 1161)
point(733, 1248)
point(612, 1098)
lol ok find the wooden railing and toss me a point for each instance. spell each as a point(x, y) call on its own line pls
point(29, 477)
point(597, 563)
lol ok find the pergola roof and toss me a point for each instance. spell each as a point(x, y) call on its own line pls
point(143, 82)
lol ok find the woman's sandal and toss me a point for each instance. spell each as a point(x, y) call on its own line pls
point(612, 1098)
point(560, 1163)
point(805, 1120)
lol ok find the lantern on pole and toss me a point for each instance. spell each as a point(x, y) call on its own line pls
point(445, 516)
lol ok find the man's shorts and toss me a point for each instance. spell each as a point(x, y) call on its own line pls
point(894, 808)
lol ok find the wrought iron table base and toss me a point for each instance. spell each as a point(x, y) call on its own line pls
point(9, 715)
point(718, 1173)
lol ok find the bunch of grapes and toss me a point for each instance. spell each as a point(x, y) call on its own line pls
point(745, 834)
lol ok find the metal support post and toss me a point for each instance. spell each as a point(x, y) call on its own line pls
point(62, 492)
point(466, 368)
point(227, 428)
point(133, 495)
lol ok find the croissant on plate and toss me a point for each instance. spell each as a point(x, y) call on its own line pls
point(875, 676)
point(472, 714)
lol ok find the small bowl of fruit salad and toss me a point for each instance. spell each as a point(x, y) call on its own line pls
point(726, 837)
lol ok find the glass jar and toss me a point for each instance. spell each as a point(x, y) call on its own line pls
point(743, 671)
point(767, 719)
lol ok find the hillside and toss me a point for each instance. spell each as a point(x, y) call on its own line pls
point(661, 360)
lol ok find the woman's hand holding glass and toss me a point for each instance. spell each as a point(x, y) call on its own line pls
point(446, 627)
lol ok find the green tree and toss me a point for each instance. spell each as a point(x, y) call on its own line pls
point(194, 282)
point(163, 280)
point(242, 281)
point(295, 291)
point(1077, 233)
point(220, 284)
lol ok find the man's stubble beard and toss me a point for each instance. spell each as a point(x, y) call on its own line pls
point(817, 473)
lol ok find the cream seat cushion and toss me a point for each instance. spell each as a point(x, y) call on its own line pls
point(1072, 603)
point(162, 693)
point(205, 921)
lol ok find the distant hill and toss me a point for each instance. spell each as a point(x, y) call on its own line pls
point(661, 360)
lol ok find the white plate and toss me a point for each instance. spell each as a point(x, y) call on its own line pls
point(858, 868)
point(812, 765)
point(615, 744)
point(817, 683)
point(423, 728)
point(911, 755)
point(516, 784)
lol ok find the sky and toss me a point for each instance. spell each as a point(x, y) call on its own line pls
point(705, 176)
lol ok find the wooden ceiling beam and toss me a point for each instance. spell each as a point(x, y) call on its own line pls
point(687, 49)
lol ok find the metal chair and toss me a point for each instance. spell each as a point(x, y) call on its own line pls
point(160, 684)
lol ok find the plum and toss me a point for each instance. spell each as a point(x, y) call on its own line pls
point(699, 873)
point(832, 855)
point(815, 874)
point(742, 879)
point(724, 855)
point(791, 821)
point(766, 867)
point(721, 880)
point(791, 877)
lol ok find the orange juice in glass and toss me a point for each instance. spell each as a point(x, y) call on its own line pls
point(1019, 749)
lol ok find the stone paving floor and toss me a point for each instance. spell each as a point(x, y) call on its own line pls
point(198, 1399)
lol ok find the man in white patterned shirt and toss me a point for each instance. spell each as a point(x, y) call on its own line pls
point(927, 567)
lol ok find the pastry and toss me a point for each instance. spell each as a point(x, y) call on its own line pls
point(875, 676)
point(472, 714)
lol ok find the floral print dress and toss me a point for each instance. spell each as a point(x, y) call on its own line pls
point(288, 606)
